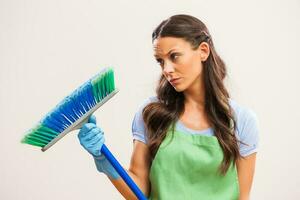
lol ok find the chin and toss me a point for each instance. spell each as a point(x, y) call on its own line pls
point(179, 89)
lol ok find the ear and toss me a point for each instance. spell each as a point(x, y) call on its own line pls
point(204, 51)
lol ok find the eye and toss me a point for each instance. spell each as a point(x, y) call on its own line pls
point(159, 61)
point(174, 56)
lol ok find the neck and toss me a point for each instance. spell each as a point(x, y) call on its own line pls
point(195, 95)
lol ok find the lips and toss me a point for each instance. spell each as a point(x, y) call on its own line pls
point(174, 80)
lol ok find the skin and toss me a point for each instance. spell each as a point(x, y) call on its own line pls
point(186, 64)
point(177, 59)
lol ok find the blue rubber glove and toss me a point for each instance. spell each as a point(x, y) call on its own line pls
point(91, 137)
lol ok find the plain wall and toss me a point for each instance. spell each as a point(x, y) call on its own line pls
point(49, 48)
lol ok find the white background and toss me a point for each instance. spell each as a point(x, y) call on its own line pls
point(49, 48)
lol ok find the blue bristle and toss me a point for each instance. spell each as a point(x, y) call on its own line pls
point(52, 123)
point(55, 121)
point(56, 117)
point(82, 102)
point(78, 106)
point(67, 112)
point(60, 117)
point(89, 96)
point(71, 108)
point(50, 119)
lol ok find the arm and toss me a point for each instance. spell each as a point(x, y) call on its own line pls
point(138, 171)
point(91, 137)
point(245, 169)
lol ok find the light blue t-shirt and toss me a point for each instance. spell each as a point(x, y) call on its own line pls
point(247, 127)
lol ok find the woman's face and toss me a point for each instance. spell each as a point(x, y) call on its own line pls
point(180, 64)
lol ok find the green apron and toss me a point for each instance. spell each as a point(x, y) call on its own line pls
point(186, 167)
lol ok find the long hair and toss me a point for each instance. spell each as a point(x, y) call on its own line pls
point(159, 116)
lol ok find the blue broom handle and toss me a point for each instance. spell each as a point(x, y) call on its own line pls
point(113, 161)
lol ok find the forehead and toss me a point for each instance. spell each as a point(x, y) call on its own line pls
point(162, 46)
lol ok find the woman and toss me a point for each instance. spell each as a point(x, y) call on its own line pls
point(191, 140)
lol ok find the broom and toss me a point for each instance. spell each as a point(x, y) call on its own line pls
point(72, 112)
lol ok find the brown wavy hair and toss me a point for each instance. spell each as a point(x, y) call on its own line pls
point(161, 115)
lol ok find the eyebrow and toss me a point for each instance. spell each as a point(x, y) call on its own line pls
point(155, 55)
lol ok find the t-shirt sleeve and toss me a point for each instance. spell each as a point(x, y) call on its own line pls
point(138, 126)
point(248, 132)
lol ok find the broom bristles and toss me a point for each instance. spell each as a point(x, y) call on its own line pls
point(72, 110)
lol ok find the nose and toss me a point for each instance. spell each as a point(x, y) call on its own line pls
point(168, 68)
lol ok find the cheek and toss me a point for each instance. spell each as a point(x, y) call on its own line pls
point(193, 67)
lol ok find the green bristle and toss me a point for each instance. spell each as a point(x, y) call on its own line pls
point(34, 143)
point(100, 86)
point(103, 84)
point(110, 83)
point(39, 136)
point(96, 88)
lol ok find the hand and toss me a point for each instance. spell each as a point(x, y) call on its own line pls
point(91, 137)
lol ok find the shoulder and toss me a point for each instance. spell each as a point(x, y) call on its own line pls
point(144, 103)
point(138, 125)
point(243, 114)
point(247, 130)
point(148, 101)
